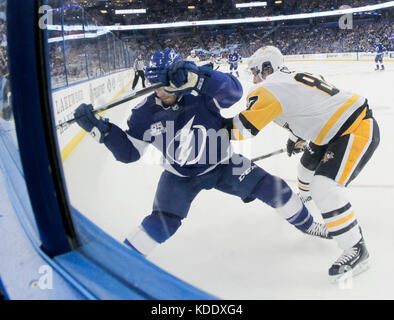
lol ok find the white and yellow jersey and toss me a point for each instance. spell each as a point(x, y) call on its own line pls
point(304, 103)
point(194, 59)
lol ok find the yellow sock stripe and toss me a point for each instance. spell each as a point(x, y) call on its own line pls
point(340, 221)
point(303, 186)
point(66, 151)
point(334, 118)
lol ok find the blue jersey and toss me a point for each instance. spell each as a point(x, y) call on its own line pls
point(379, 48)
point(233, 58)
point(192, 135)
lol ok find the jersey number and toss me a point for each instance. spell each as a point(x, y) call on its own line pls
point(252, 100)
point(311, 81)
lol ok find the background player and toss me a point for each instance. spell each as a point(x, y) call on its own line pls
point(176, 122)
point(343, 136)
point(380, 50)
point(193, 57)
point(233, 59)
point(214, 62)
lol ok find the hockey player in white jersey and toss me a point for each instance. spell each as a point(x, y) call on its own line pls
point(342, 135)
point(193, 57)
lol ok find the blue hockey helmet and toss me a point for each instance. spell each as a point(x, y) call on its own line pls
point(159, 62)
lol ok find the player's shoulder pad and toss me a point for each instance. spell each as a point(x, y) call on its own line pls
point(262, 91)
point(143, 110)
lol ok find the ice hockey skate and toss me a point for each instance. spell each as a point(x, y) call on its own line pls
point(352, 262)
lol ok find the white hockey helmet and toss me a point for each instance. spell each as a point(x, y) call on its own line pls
point(264, 58)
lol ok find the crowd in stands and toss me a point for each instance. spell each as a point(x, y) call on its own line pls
point(320, 39)
point(303, 39)
point(165, 11)
point(3, 41)
point(89, 58)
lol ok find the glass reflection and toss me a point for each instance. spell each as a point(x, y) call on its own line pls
point(11, 171)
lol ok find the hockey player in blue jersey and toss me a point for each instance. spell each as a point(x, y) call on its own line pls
point(379, 49)
point(233, 59)
point(183, 121)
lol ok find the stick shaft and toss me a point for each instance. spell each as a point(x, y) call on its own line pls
point(110, 105)
point(269, 155)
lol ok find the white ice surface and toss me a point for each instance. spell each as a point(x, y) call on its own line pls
point(246, 251)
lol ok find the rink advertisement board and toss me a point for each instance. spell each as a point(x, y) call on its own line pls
point(97, 92)
point(345, 56)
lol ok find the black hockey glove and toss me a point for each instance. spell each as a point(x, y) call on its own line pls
point(295, 145)
point(183, 77)
point(85, 118)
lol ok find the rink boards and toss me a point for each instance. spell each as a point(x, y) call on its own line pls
point(98, 92)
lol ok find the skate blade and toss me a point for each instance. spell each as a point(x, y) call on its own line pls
point(360, 268)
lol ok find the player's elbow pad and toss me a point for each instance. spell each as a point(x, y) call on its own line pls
point(225, 88)
point(127, 157)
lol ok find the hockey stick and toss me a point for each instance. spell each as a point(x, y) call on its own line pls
point(115, 103)
point(269, 155)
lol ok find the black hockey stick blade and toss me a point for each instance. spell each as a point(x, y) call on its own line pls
point(269, 155)
point(115, 103)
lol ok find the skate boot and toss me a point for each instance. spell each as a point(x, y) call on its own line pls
point(352, 262)
point(318, 230)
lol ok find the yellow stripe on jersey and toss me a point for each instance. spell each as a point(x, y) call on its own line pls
point(360, 141)
point(263, 107)
point(356, 123)
point(334, 118)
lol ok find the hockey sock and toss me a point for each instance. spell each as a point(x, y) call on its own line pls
point(276, 193)
point(337, 212)
point(295, 212)
point(155, 229)
point(305, 177)
point(140, 241)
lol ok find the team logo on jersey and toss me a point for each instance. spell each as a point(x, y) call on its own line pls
point(190, 138)
point(327, 156)
point(173, 55)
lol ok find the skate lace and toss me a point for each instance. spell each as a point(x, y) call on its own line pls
point(317, 229)
point(347, 256)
